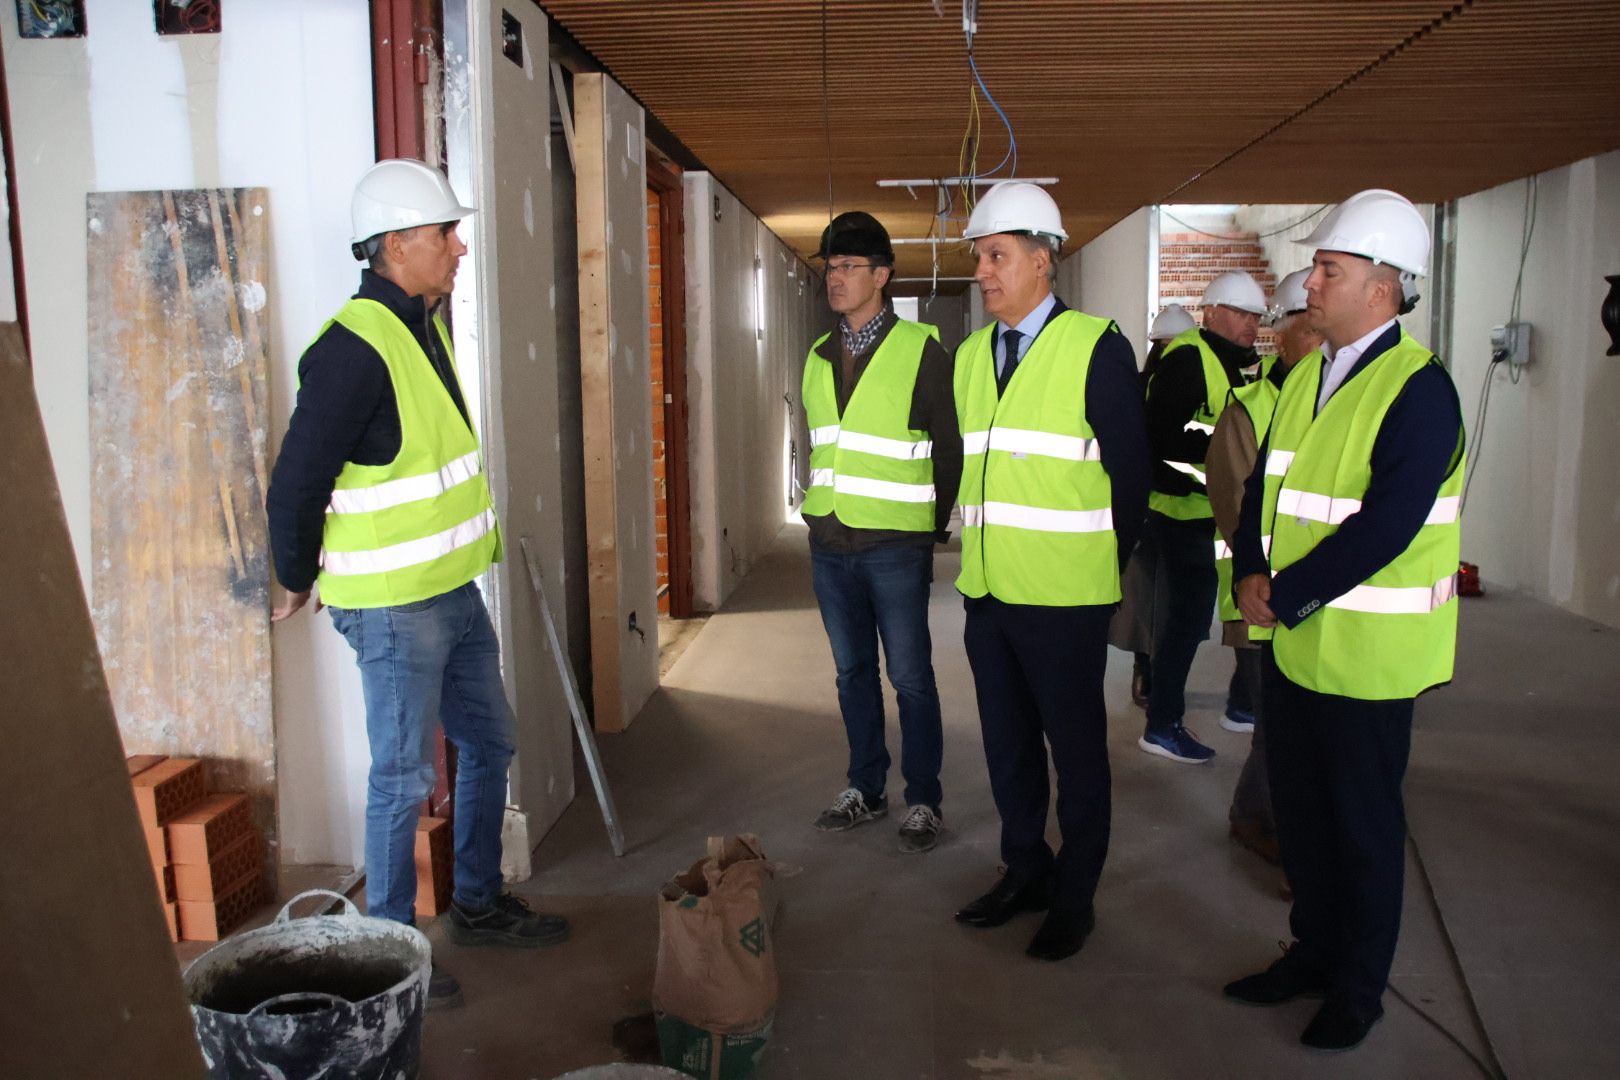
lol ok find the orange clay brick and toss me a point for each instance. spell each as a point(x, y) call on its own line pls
point(165, 883)
point(139, 763)
point(167, 789)
point(210, 921)
point(207, 881)
point(434, 866)
point(157, 846)
point(208, 828)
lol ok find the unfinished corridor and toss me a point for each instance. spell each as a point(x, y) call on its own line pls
point(1510, 793)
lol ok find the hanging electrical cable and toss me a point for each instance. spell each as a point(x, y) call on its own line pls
point(1261, 236)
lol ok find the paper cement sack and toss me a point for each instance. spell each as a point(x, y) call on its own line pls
point(716, 974)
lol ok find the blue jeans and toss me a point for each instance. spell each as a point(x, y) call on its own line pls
point(883, 593)
point(424, 664)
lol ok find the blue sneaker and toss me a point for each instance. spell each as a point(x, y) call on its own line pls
point(1177, 744)
point(1238, 720)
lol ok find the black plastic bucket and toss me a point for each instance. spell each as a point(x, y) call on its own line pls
point(338, 997)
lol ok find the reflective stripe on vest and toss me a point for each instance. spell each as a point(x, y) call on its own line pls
point(1037, 516)
point(1217, 387)
point(868, 466)
point(424, 523)
point(1394, 635)
point(1258, 400)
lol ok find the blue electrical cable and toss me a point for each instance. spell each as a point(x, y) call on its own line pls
point(1012, 140)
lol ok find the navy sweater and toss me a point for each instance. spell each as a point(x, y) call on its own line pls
point(346, 411)
point(1415, 450)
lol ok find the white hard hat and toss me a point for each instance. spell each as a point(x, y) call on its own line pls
point(1014, 206)
point(1290, 295)
point(402, 193)
point(1236, 289)
point(1378, 225)
point(1171, 320)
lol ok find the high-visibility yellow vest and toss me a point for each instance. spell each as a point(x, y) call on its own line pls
point(1258, 400)
point(1217, 386)
point(869, 466)
point(424, 523)
point(1037, 506)
point(1394, 635)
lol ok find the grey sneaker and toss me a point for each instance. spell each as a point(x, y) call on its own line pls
point(509, 921)
point(920, 830)
point(849, 810)
point(444, 992)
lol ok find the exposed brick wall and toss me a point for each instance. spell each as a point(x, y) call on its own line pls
point(1189, 261)
point(655, 308)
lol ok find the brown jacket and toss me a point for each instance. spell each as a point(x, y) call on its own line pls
point(1232, 453)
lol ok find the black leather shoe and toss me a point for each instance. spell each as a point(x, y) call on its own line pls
point(1062, 934)
point(1008, 898)
point(1289, 978)
point(1338, 1025)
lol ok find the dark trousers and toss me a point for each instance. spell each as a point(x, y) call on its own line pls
point(1038, 674)
point(864, 597)
point(1187, 562)
point(1336, 766)
point(1251, 801)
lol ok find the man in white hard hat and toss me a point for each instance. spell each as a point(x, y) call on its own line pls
point(885, 460)
point(1185, 398)
point(1233, 450)
point(1054, 489)
point(378, 499)
point(1142, 585)
point(1347, 550)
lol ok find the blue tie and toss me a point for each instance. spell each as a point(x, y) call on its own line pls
point(1009, 359)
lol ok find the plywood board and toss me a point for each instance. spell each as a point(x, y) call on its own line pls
point(180, 577)
point(609, 139)
point(96, 991)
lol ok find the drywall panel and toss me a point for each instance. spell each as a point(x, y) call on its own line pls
point(1113, 278)
point(570, 421)
point(99, 993)
point(1543, 510)
point(611, 210)
point(753, 310)
point(280, 100)
point(507, 105)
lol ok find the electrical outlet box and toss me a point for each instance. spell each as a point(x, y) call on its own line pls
point(1510, 342)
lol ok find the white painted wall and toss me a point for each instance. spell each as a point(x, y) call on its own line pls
point(1113, 277)
point(738, 383)
point(1543, 514)
point(281, 100)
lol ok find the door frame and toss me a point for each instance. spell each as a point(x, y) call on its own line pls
point(664, 179)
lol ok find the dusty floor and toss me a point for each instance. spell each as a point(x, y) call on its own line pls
point(1513, 805)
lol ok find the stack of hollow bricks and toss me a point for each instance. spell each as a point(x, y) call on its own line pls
point(655, 311)
point(207, 854)
point(1189, 261)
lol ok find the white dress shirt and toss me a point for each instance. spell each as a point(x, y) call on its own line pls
point(1339, 362)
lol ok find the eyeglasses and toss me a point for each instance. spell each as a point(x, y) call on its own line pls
point(844, 269)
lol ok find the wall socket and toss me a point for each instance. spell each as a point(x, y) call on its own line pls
point(1510, 342)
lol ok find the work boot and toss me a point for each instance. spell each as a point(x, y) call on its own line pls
point(508, 921)
point(920, 830)
point(443, 992)
point(850, 809)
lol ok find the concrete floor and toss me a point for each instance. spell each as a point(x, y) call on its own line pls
point(1513, 805)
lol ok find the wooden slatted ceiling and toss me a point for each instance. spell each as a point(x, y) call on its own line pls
point(1128, 102)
